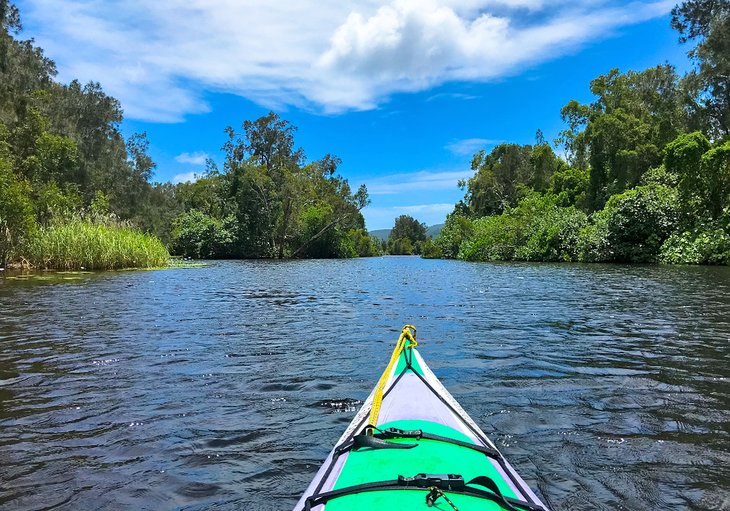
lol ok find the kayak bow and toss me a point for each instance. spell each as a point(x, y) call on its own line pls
point(413, 447)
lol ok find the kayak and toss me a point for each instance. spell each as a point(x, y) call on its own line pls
point(411, 447)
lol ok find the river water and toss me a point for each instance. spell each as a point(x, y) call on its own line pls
point(224, 387)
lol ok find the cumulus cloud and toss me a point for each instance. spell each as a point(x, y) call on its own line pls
point(161, 58)
point(197, 158)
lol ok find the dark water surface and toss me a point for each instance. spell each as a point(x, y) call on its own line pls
point(224, 387)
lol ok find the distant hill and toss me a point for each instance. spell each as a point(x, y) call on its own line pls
point(434, 230)
point(382, 234)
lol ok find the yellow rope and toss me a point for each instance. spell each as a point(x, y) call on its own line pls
point(407, 335)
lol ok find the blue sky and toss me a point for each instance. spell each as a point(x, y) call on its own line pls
point(403, 91)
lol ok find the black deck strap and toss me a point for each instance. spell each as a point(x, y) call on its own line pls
point(446, 482)
point(489, 483)
point(364, 441)
point(418, 434)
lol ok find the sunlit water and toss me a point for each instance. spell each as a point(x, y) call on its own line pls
point(608, 387)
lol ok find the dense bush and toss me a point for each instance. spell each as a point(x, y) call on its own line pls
point(633, 226)
point(364, 244)
point(198, 235)
point(17, 221)
point(456, 229)
point(538, 229)
point(431, 250)
point(551, 231)
point(697, 246)
point(402, 246)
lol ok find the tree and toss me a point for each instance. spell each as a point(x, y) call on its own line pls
point(633, 226)
point(621, 134)
point(456, 229)
point(703, 172)
point(276, 197)
point(408, 227)
point(707, 23)
point(406, 236)
point(506, 174)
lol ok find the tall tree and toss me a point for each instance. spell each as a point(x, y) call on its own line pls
point(622, 133)
point(506, 173)
point(707, 24)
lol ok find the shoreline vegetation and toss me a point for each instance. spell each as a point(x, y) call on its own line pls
point(641, 174)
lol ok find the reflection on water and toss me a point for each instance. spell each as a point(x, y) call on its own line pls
point(224, 387)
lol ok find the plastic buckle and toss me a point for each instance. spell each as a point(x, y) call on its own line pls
point(440, 481)
point(404, 433)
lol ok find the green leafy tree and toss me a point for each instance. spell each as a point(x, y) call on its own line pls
point(707, 24)
point(406, 236)
point(406, 226)
point(200, 236)
point(507, 173)
point(621, 134)
point(703, 174)
point(456, 230)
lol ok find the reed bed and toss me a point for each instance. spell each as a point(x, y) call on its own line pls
point(81, 244)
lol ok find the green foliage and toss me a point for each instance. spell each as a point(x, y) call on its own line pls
point(632, 227)
point(570, 185)
point(407, 236)
point(698, 246)
point(538, 229)
point(364, 244)
point(82, 244)
point(703, 172)
point(16, 211)
point(507, 173)
point(707, 23)
point(201, 236)
point(430, 250)
point(51, 203)
point(621, 134)
point(409, 228)
point(495, 238)
point(456, 229)
point(279, 202)
point(551, 231)
point(402, 246)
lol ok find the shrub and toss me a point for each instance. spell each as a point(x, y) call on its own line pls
point(431, 250)
point(697, 246)
point(201, 236)
point(538, 229)
point(632, 226)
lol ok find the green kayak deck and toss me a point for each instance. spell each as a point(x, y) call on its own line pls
point(443, 454)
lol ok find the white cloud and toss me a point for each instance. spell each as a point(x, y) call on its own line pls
point(160, 58)
point(469, 146)
point(384, 217)
point(186, 177)
point(197, 158)
point(452, 95)
point(421, 181)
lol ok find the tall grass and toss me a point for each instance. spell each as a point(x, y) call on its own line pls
point(81, 244)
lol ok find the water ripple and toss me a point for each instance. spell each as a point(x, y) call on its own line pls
point(225, 387)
